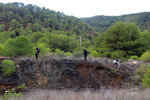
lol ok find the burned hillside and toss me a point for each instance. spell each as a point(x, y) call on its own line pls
point(65, 74)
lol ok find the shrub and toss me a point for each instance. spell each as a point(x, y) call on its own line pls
point(1, 49)
point(145, 56)
point(94, 54)
point(140, 71)
point(77, 54)
point(68, 54)
point(8, 67)
point(23, 86)
point(134, 57)
point(59, 53)
point(12, 94)
point(117, 54)
point(146, 79)
point(19, 46)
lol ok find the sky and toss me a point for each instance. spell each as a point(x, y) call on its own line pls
point(89, 8)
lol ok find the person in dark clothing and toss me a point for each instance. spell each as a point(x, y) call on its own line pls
point(37, 52)
point(85, 53)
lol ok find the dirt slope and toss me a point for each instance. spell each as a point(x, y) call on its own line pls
point(60, 74)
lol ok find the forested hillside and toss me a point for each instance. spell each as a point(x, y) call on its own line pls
point(42, 27)
point(101, 23)
point(38, 18)
point(24, 27)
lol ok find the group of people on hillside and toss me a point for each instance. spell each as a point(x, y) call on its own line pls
point(38, 51)
point(115, 62)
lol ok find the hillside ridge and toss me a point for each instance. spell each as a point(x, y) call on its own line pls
point(64, 74)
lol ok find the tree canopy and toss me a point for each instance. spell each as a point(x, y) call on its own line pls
point(122, 39)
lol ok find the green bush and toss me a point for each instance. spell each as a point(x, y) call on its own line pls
point(77, 54)
point(68, 53)
point(8, 67)
point(117, 54)
point(12, 94)
point(1, 49)
point(23, 86)
point(141, 70)
point(134, 57)
point(145, 56)
point(139, 73)
point(19, 46)
point(94, 54)
point(146, 79)
point(59, 53)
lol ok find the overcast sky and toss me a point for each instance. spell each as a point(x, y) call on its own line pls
point(88, 8)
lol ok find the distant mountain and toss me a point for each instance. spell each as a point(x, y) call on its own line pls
point(101, 23)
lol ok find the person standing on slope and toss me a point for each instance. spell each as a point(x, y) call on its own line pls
point(37, 52)
point(85, 53)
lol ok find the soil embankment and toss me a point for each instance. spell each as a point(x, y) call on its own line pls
point(60, 74)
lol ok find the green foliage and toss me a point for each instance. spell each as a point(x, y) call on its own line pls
point(28, 18)
point(19, 46)
point(122, 39)
point(117, 54)
point(14, 25)
point(77, 54)
point(145, 40)
point(140, 71)
point(44, 41)
point(40, 25)
point(43, 49)
point(12, 94)
point(41, 17)
point(94, 54)
point(68, 53)
point(8, 67)
point(57, 30)
point(59, 53)
point(145, 56)
point(4, 36)
point(113, 71)
point(102, 23)
point(23, 86)
point(146, 79)
point(73, 43)
point(34, 37)
point(2, 28)
point(59, 41)
point(134, 57)
point(1, 49)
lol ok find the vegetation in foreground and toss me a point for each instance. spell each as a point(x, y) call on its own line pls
point(122, 94)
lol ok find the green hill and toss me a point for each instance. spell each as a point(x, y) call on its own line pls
point(23, 27)
point(44, 18)
point(42, 27)
point(101, 23)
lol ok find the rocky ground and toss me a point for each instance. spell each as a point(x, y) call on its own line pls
point(65, 73)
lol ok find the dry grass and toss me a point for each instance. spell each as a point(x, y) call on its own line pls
point(124, 94)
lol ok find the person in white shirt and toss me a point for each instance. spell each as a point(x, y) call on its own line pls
point(116, 64)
